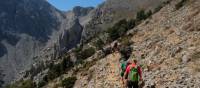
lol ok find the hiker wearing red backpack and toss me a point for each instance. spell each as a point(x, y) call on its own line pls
point(133, 75)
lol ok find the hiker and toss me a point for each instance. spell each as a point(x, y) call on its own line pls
point(133, 75)
point(125, 54)
point(123, 64)
point(115, 47)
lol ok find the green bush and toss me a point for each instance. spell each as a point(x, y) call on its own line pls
point(22, 84)
point(180, 4)
point(99, 43)
point(78, 49)
point(86, 53)
point(126, 40)
point(56, 70)
point(149, 13)
point(166, 2)
point(120, 28)
point(131, 23)
point(158, 8)
point(41, 84)
point(141, 15)
point(68, 82)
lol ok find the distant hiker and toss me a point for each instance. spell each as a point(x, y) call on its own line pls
point(123, 64)
point(115, 47)
point(125, 51)
point(125, 54)
point(133, 75)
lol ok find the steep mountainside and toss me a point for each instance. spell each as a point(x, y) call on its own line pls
point(111, 11)
point(166, 46)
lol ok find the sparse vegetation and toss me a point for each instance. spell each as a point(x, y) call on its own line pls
point(158, 8)
point(180, 4)
point(99, 43)
point(68, 82)
point(142, 15)
point(78, 49)
point(120, 28)
point(149, 13)
point(166, 2)
point(55, 70)
point(126, 40)
point(22, 84)
point(86, 53)
point(42, 83)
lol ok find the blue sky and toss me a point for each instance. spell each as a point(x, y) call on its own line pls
point(66, 5)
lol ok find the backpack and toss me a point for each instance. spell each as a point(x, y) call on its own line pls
point(123, 67)
point(133, 74)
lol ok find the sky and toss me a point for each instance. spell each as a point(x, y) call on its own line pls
point(66, 5)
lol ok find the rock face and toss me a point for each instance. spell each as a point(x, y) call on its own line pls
point(32, 31)
point(26, 26)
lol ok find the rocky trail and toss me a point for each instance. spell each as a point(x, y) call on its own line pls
point(105, 74)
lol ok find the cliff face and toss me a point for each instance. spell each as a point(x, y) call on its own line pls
point(33, 29)
point(26, 26)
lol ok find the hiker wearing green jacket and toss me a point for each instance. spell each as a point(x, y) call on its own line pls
point(125, 54)
point(133, 75)
point(124, 64)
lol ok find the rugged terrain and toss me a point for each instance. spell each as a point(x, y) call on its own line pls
point(166, 45)
point(34, 33)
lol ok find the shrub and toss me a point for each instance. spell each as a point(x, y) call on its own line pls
point(42, 83)
point(149, 13)
point(167, 2)
point(68, 82)
point(56, 70)
point(131, 23)
point(99, 43)
point(158, 8)
point(180, 4)
point(86, 53)
point(23, 84)
point(118, 29)
point(141, 15)
point(126, 40)
point(78, 49)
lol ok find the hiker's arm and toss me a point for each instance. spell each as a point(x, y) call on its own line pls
point(140, 72)
point(126, 73)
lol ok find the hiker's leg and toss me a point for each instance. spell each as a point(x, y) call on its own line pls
point(135, 85)
point(129, 84)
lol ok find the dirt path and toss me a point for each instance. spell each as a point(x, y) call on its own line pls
point(104, 74)
point(114, 76)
